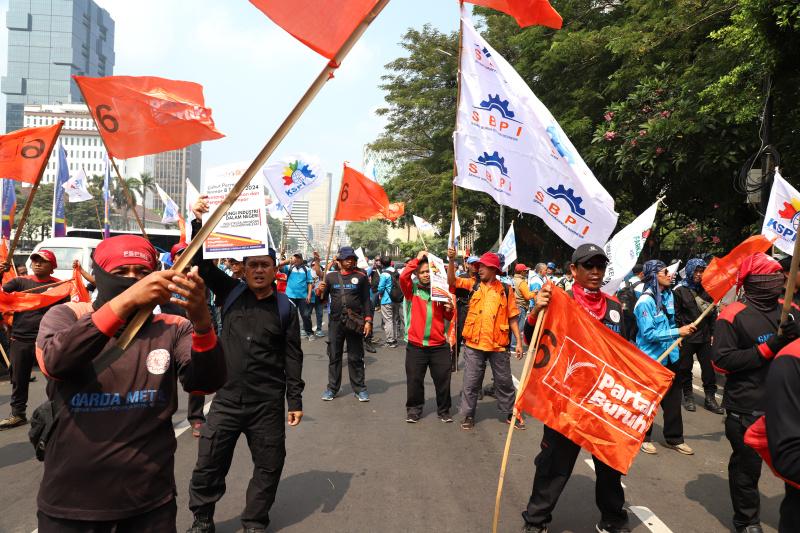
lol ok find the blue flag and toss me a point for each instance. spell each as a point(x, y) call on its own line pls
point(59, 216)
point(106, 180)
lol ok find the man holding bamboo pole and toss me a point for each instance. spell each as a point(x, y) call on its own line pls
point(555, 462)
point(22, 351)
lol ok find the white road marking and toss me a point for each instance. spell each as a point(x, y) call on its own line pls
point(182, 426)
point(700, 389)
point(590, 462)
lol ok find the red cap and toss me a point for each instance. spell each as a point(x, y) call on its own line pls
point(758, 263)
point(47, 255)
point(125, 250)
point(520, 268)
point(176, 250)
point(490, 260)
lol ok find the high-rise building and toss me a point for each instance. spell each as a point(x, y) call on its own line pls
point(48, 42)
point(173, 168)
point(385, 163)
point(299, 228)
point(319, 210)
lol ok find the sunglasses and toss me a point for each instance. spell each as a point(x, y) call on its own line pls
point(599, 265)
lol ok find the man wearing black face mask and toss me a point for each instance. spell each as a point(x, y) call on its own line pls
point(746, 340)
point(117, 432)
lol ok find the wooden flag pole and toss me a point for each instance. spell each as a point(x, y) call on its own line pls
point(695, 324)
point(5, 357)
point(458, 104)
point(333, 224)
point(787, 298)
point(97, 211)
point(28, 204)
point(301, 231)
point(261, 159)
point(46, 286)
point(423, 238)
point(532, 348)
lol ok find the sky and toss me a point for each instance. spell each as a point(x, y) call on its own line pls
point(253, 73)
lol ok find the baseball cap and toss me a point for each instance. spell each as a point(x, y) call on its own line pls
point(176, 250)
point(47, 255)
point(584, 252)
point(298, 254)
point(520, 268)
point(551, 265)
point(473, 259)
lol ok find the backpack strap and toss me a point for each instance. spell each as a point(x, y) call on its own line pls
point(232, 296)
point(284, 309)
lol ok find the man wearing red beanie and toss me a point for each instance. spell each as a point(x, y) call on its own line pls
point(116, 434)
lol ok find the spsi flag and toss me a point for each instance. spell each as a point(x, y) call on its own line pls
point(293, 176)
point(147, 115)
point(591, 385)
point(363, 199)
point(509, 146)
point(23, 153)
point(76, 188)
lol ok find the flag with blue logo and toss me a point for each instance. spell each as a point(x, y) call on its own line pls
point(106, 198)
point(509, 247)
point(9, 207)
point(293, 176)
point(76, 188)
point(370, 171)
point(59, 217)
point(171, 210)
point(424, 225)
point(624, 248)
point(509, 146)
point(455, 227)
point(278, 211)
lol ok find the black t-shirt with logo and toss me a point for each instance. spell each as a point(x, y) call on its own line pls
point(355, 286)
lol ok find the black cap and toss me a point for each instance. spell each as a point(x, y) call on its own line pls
point(298, 254)
point(584, 252)
point(786, 263)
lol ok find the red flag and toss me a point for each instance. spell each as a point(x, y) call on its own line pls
point(147, 115)
point(720, 274)
point(322, 26)
point(24, 152)
point(363, 199)
point(27, 301)
point(7, 276)
point(591, 385)
point(78, 292)
point(525, 12)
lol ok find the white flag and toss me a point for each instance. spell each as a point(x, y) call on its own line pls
point(624, 248)
point(192, 195)
point(370, 171)
point(76, 188)
point(278, 211)
point(293, 176)
point(509, 248)
point(673, 268)
point(509, 146)
point(783, 214)
point(456, 233)
point(171, 209)
point(424, 225)
point(361, 259)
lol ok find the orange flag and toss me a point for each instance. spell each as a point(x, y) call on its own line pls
point(27, 301)
point(147, 115)
point(24, 152)
point(7, 276)
point(525, 12)
point(363, 199)
point(591, 385)
point(322, 26)
point(78, 292)
point(721, 273)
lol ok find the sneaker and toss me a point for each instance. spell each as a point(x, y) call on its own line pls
point(533, 528)
point(368, 347)
point(196, 430)
point(468, 423)
point(602, 527)
point(389, 345)
point(518, 424)
point(648, 447)
point(328, 396)
point(13, 421)
point(319, 334)
point(311, 337)
point(303, 333)
point(412, 419)
point(682, 448)
point(362, 396)
point(446, 417)
point(202, 523)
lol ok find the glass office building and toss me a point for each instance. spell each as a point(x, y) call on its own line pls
point(48, 42)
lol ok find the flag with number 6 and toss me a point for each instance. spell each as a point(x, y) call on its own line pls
point(147, 115)
point(23, 153)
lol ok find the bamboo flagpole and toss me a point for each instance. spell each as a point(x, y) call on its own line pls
point(695, 324)
point(301, 231)
point(532, 348)
point(215, 217)
point(28, 204)
point(787, 298)
point(458, 104)
point(5, 357)
point(333, 223)
point(47, 286)
point(97, 211)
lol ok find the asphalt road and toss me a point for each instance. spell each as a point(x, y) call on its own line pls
point(355, 467)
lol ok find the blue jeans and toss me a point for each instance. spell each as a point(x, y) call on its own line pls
point(319, 309)
point(523, 315)
point(305, 313)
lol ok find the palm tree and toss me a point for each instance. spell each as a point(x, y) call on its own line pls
point(117, 194)
point(148, 184)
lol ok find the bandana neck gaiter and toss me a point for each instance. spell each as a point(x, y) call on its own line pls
point(592, 301)
point(109, 287)
point(762, 291)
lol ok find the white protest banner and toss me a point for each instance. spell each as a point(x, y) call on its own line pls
point(243, 229)
point(440, 290)
point(293, 176)
point(424, 225)
point(509, 146)
point(509, 248)
point(624, 248)
point(362, 261)
point(76, 188)
point(783, 214)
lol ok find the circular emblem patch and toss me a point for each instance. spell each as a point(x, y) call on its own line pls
point(613, 315)
point(157, 361)
point(354, 281)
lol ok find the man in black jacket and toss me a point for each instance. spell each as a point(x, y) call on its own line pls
point(261, 337)
point(746, 340)
point(690, 302)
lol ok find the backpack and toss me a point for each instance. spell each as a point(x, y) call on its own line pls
point(627, 297)
point(396, 293)
point(284, 304)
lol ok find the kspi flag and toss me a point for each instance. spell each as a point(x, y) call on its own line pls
point(293, 176)
point(23, 153)
point(721, 273)
point(147, 115)
point(9, 207)
point(624, 248)
point(455, 227)
point(783, 214)
point(424, 225)
point(509, 248)
point(76, 188)
point(591, 385)
point(363, 199)
point(59, 216)
point(525, 12)
point(509, 146)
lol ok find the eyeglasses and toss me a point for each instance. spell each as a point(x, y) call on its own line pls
point(599, 265)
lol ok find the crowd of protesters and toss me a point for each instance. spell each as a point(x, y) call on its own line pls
point(234, 328)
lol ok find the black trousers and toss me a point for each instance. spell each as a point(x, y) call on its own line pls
point(159, 520)
point(355, 357)
point(418, 360)
point(790, 511)
point(554, 466)
point(631, 328)
point(4, 342)
point(22, 356)
point(703, 351)
point(194, 412)
point(744, 471)
point(263, 424)
point(671, 410)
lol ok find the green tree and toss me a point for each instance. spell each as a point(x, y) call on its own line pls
point(147, 184)
point(371, 235)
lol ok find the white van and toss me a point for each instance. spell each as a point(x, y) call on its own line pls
point(66, 250)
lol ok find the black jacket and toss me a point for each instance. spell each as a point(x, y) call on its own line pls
point(687, 311)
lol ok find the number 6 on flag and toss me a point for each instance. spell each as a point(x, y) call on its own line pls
point(24, 152)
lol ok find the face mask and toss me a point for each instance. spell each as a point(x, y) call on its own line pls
point(763, 290)
point(108, 288)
